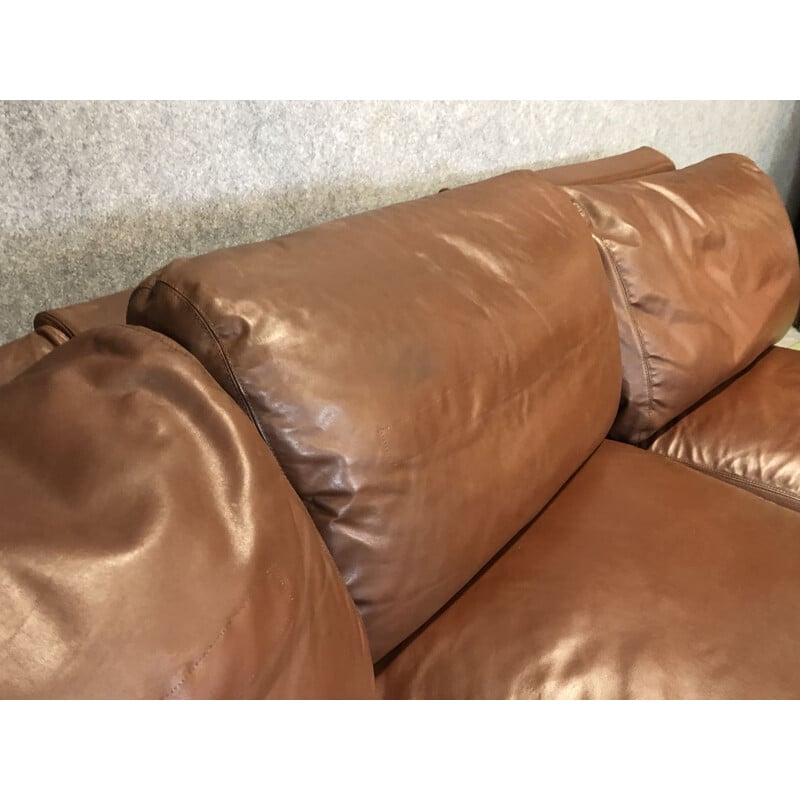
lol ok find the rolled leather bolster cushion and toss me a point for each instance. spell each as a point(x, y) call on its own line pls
point(150, 546)
point(407, 366)
point(704, 274)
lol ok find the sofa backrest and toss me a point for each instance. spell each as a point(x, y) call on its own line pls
point(622, 166)
point(428, 375)
point(150, 546)
point(704, 274)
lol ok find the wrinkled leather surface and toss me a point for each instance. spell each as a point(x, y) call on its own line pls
point(642, 579)
point(16, 356)
point(407, 366)
point(704, 272)
point(72, 320)
point(749, 432)
point(150, 546)
point(624, 166)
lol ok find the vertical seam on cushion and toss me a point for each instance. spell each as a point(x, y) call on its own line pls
point(605, 249)
point(639, 337)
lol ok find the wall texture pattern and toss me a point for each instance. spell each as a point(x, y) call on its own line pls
point(94, 196)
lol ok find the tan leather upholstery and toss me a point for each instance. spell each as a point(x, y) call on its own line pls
point(407, 366)
point(432, 377)
point(52, 328)
point(704, 271)
point(16, 356)
point(150, 545)
point(624, 166)
point(748, 433)
point(74, 319)
point(642, 579)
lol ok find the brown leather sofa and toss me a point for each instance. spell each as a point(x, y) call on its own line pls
point(371, 459)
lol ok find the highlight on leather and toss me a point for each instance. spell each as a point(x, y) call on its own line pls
point(641, 580)
point(428, 375)
point(704, 273)
point(150, 546)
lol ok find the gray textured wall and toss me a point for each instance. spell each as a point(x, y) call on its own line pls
point(94, 196)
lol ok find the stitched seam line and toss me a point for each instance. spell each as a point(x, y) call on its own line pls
point(170, 344)
point(729, 476)
point(195, 664)
point(209, 329)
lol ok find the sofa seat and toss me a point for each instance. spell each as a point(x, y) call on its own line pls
point(748, 432)
point(641, 579)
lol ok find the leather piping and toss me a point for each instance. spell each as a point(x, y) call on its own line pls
point(47, 318)
point(605, 250)
point(205, 325)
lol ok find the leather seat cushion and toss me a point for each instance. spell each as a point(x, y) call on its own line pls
point(748, 432)
point(641, 579)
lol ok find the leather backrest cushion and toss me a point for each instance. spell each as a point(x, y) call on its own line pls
point(704, 274)
point(428, 375)
point(150, 546)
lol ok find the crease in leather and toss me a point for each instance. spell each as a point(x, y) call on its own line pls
point(608, 257)
point(677, 237)
point(206, 326)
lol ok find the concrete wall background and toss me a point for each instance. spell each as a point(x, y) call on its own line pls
point(94, 196)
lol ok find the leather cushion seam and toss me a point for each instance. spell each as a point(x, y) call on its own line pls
point(206, 326)
point(199, 660)
point(604, 247)
point(730, 476)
